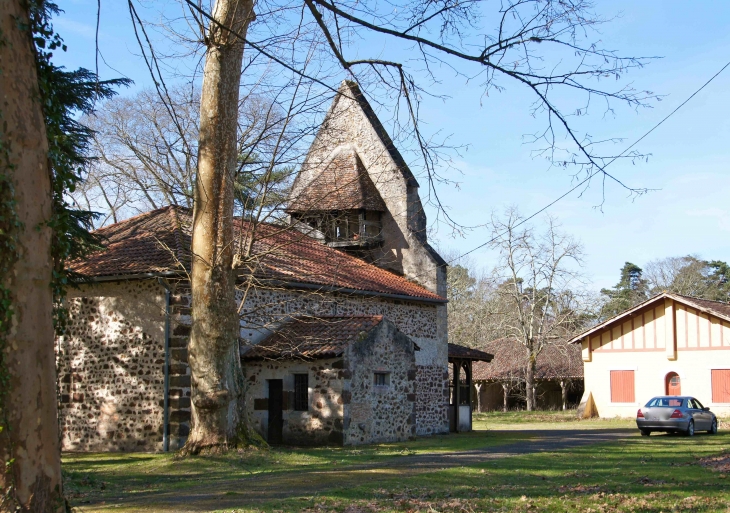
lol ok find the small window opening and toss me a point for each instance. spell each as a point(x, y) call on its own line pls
point(301, 392)
point(382, 379)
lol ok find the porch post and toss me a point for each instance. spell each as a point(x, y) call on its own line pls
point(504, 390)
point(457, 394)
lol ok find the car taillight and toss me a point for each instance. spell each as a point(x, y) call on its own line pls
point(639, 414)
point(676, 414)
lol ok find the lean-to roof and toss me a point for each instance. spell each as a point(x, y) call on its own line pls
point(310, 338)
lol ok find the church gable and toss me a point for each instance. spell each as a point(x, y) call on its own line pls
point(351, 135)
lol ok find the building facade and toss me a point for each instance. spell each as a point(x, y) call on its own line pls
point(668, 345)
point(355, 249)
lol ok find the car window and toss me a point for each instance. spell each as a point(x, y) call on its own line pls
point(698, 404)
point(691, 404)
point(666, 402)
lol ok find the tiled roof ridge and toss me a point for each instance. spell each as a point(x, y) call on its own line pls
point(139, 245)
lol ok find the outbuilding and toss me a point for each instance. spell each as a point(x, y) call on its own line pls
point(667, 345)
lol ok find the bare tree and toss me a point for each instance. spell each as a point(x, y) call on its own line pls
point(472, 299)
point(145, 158)
point(537, 276)
point(689, 276)
point(213, 348)
point(543, 45)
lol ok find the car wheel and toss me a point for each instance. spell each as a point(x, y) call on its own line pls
point(690, 428)
point(713, 427)
point(645, 432)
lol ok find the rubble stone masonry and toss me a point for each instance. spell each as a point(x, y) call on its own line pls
point(111, 364)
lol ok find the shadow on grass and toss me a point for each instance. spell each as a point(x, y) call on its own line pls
point(555, 471)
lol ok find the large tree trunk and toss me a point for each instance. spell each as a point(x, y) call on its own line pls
point(530, 381)
point(30, 463)
point(213, 350)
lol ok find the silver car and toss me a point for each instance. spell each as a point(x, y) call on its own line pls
point(673, 414)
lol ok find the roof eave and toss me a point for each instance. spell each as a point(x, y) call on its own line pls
point(664, 295)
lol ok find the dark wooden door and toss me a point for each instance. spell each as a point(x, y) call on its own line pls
point(674, 385)
point(276, 416)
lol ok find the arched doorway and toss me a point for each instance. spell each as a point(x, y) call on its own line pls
point(673, 384)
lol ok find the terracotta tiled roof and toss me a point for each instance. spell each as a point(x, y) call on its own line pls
point(313, 337)
point(560, 360)
point(159, 241)
point(467, 353)
point(343, 184)
point(153, 242)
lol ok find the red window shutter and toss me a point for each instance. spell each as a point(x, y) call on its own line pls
point(721, 385)
point(622, 386)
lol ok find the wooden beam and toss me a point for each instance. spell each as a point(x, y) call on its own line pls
point(670, 330)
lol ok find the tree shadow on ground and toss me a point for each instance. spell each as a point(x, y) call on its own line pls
point(552, 471)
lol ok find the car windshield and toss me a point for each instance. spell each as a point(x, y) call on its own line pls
point(667, 402)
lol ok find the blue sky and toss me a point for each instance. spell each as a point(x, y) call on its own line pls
point(688, 213)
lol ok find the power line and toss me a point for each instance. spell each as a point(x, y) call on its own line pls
point(595, 172)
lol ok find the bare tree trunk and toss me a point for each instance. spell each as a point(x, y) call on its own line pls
point(505, 396)
point(217, 378)
point(478, 387)
point(30, 476)
point(530, 382)
point(564, 393)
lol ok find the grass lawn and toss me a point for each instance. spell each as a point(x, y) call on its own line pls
point(659, 473)
point(521, 420)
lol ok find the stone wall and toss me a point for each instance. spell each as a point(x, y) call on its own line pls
point(111, 361)
point(110, 367)
point(322, 423)
point(424, 323)
point(384, 413)
point(432, 397)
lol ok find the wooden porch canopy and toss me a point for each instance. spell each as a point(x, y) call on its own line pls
point(461, 359)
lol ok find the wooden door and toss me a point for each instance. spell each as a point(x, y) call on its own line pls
point(276, 414)
point(673, 384)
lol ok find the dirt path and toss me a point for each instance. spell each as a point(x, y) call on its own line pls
point(247, 492)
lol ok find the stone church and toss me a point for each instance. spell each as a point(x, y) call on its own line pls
point(343, 334)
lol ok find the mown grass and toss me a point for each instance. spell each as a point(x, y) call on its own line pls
point(655, 474)
point(521, 420)
point(98, 477)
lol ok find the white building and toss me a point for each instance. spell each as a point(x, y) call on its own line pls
point(669, 344)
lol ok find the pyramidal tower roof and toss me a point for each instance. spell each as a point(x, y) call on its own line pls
point(342, 184)
point(351, 89)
